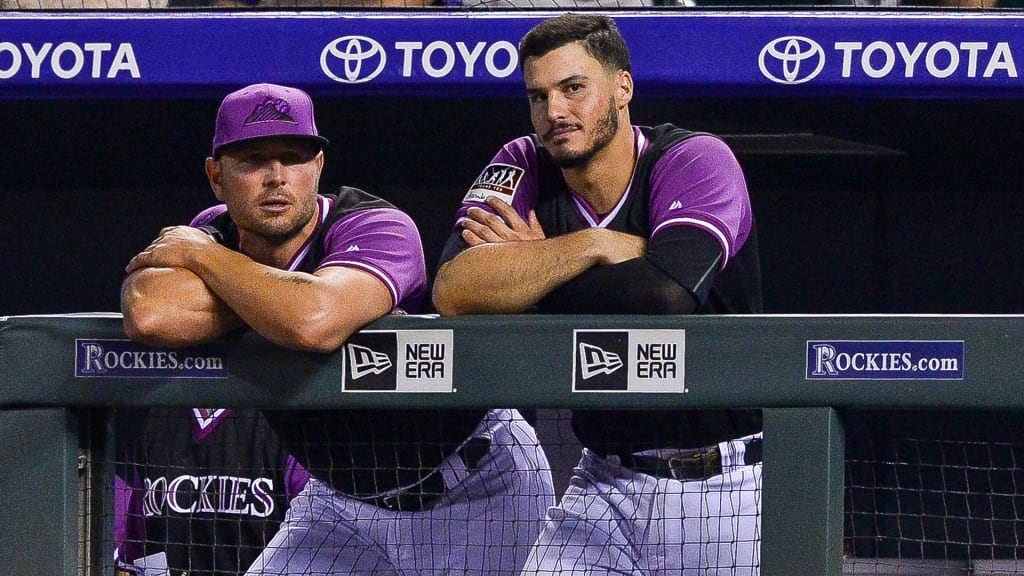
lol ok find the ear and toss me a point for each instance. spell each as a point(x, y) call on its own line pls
point(624, 88)
point(213, 173)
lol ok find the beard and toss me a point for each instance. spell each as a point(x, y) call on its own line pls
point(604, 132)
point(278, 230)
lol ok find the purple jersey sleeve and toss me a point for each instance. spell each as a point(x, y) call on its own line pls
point(209, 214)
point(386, 243)
point(699, 183)
point(511, 176)
point(129, 522)
point(295, 478)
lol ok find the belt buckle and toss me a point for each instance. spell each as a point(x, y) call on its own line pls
point(699, 464)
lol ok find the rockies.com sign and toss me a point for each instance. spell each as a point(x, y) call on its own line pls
point(885, 360)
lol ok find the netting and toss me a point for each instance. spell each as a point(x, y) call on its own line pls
point(934, 492)
point(219, 492)
point(927, 492)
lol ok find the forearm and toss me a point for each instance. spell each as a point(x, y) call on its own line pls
point(172, 307)
point(509, 277)
point(632, 287)
point(296, 310)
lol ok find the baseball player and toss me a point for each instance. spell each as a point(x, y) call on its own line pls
point(201, 491)
point(594, 215)
point(392, 491)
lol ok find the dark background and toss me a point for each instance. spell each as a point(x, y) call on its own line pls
point(903, 206)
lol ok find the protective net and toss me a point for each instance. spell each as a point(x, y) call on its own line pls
point(934, 492)
point(426, 492)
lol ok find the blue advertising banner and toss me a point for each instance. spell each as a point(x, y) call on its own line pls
point(108, 358)
point(462, 54)
point(885, 360)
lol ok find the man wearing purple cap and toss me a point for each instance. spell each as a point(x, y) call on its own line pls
point(306, 271)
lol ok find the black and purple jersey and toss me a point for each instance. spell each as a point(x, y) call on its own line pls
point(356, 230)
point(688, 198)
point(364, 452)
point(200, 491)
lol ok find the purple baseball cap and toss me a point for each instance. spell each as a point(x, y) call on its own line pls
point(263, 110)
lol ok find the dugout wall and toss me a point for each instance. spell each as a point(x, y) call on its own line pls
point(881, 150)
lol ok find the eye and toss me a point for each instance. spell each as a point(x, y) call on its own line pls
point(252, 159)
point(292, 158)
point(298, 155)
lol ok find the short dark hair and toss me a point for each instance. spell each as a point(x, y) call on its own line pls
point(599, 36)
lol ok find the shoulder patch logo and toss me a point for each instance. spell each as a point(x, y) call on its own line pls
point(675, 205)
point(498, 180)
point(271, 109)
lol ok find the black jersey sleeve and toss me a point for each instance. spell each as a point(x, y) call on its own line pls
point(631, 287)
point(673, 278)
point(452, 248)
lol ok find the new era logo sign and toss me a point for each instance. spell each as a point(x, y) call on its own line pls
point(398, 361)
point(628, 361)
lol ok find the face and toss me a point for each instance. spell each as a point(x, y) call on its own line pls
point(269, 185)
point(574, 103)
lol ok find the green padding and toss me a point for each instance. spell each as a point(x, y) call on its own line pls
point(730, 361)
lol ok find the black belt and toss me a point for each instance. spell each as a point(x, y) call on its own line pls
point(421, 495)
point(689, 464)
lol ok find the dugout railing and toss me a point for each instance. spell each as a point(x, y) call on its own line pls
point(58, 373)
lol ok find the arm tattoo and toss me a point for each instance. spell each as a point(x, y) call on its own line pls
point(282, 276)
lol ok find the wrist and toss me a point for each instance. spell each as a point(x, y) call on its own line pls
point(595, 249)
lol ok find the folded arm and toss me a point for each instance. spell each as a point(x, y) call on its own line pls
point(173, 308)
point(314, 312)
point(510, 265)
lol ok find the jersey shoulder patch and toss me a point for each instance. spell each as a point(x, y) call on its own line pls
point(498, 180)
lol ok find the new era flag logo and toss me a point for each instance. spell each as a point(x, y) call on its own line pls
point(398, 361)
point(594, 361)
point(628, 361)
point(366, 361)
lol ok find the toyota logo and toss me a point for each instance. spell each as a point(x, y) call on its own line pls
point(794, 60)
point(355, 56)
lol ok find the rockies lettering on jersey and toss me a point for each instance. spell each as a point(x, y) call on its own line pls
point(199, 478)
point(208, 495)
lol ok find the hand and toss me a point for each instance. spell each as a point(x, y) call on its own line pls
point(175, 247)
point(616, 247)
point(483, 227)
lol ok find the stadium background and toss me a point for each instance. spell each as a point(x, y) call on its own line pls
point(865, 204)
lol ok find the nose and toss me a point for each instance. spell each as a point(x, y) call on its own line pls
point(274, 175)
point(556, 106)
